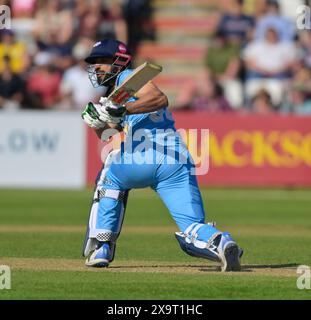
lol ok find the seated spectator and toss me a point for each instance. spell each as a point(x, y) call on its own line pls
point(299, 101)
point(138, 15)
point(43, 83)
point(76, 88)
point(23, 12)
point(54, 27)
point(113, 23)
point(302, 76)
point(15, 50)
point(234, 25)
point(305, 47)
point(11, 88)
point(269, 63)
point(54, 31)
point(223, 62)
point(274, 19)
point(89, 25)
point(97, 21)
point(262, 103)
point(203, 94)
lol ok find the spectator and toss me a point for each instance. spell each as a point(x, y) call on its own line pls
point(11, 88)
point(117, 24)
point(15, 50)
point(305, 47)
point(138, 15)
point(43, 83)
point(23, 22)
point(269, 63)
point(274, 19)
point(302, 76)
point(76, 89)
point(262, 103)
point(97, 21)
point(89, 24)
point(299, 101)
point(223, 62)
point(234, 25)
point(205, 94)
point(54, 27)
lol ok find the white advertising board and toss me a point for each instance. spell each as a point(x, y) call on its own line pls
point(42, 149)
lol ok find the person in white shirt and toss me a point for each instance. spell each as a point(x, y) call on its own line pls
point(76, 88)
point(269, 63)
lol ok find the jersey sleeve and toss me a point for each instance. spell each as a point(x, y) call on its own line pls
point(123, 75)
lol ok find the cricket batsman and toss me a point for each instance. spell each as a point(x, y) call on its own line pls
point(108, 66)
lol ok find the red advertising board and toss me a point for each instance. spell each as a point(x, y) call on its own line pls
point(243, 150)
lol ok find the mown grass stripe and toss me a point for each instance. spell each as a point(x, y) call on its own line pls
point(264, 230)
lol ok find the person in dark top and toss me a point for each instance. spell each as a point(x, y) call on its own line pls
point(138, 15)
point(11, 87)
point(235, 25)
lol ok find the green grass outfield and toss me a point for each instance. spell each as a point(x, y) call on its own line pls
point(41, 235)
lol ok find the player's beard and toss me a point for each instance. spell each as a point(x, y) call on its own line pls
point(107, 79)
point(101, 78)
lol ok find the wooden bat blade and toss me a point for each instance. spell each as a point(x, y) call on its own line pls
point(134, 82)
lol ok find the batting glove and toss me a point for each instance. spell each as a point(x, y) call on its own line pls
point(114, 110)
point(96, 116)
point(90, 116)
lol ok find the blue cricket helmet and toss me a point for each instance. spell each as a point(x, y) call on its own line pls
point(107, 48)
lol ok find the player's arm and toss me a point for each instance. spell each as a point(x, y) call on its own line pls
point(150, 99)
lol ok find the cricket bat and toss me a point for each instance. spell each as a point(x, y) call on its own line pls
point(135, 81)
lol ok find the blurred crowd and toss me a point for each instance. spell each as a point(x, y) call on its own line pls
point(257, 62)
point(41, 57)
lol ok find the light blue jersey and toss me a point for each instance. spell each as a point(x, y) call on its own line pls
point(152, 135)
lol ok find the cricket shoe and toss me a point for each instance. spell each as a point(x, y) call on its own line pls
point(229, 253)
point(219, 248)
point(100, 257)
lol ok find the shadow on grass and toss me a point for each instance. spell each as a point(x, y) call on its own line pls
point(210, 268)
point(160, 266)
point(249, 267)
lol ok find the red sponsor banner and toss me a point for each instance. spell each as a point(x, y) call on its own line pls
point(243, 150)
point(252, 150)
